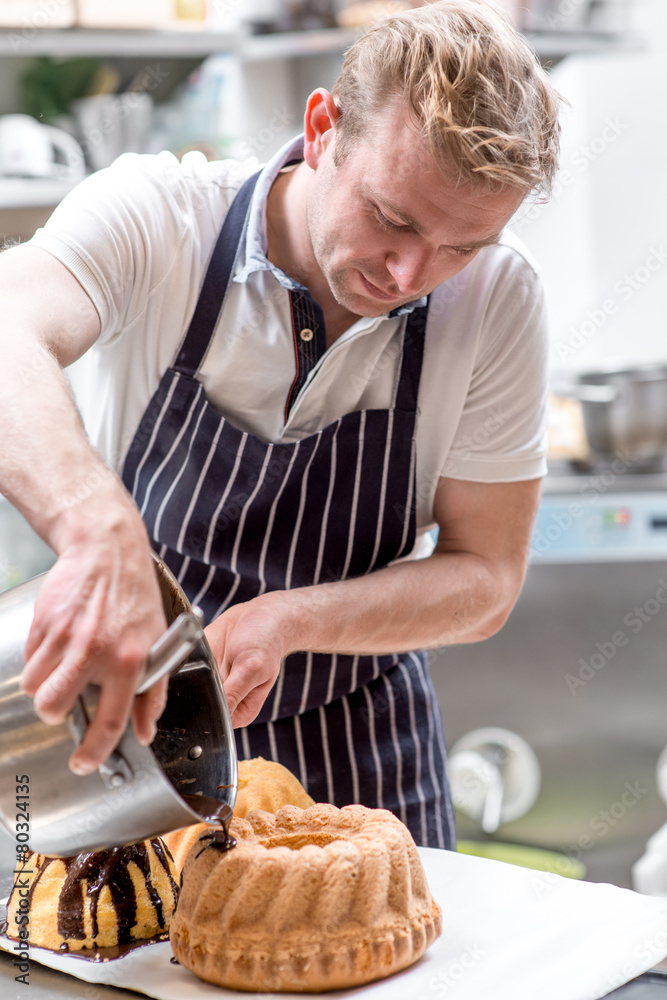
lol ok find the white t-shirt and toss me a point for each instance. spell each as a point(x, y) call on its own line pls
point(138, 237)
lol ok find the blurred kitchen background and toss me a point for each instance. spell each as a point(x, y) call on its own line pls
point(557, 725)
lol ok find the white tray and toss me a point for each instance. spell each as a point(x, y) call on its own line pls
point(508, 934)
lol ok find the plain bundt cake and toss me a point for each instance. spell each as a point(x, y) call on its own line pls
point(96, 899)
point(308, 900)
point(263, 784)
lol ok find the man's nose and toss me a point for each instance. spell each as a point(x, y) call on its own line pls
point(409, 268)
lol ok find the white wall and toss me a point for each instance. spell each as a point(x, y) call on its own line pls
point(602, 240)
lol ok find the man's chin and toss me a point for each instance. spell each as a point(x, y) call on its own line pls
point(366, 305)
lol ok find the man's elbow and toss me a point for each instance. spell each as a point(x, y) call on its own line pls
point(501, 609)
point(492, 625)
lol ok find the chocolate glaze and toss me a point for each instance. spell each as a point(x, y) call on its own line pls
point(98, 869)
point(114, 951)
point(220, 838)
point(208, 808)
point(216, 812)
point(106, 954)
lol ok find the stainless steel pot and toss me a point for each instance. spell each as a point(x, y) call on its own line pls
point(187, 774)
point(625, 411)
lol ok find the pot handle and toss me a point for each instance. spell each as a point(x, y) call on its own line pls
point(588, 393)
point(172, 648)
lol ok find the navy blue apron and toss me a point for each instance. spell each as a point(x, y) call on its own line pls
point(234, 516)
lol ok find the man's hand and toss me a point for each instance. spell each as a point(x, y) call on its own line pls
point(97, 614)
point(249, 642)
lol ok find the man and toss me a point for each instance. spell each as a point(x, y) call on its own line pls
point(291, 415)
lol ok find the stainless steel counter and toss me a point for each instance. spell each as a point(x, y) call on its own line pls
point(45, 984)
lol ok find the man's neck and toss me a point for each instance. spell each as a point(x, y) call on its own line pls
point(290, 249)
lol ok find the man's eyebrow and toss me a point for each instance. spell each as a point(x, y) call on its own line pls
point(490, 241)
point(408, 221)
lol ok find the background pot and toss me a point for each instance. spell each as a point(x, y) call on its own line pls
point(624, 411)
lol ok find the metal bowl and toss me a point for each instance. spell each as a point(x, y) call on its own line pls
point(186, 775)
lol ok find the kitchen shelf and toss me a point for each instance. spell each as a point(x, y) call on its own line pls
point(295, 44)
point(20, 192)
point(70, 42)
point(556, 45)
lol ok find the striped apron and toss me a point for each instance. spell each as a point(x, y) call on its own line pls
point(234, 516)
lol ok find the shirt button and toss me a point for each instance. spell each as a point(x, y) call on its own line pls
point(306, 334)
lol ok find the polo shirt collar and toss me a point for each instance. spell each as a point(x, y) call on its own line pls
point(253, 256)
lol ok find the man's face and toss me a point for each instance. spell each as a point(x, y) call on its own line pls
point(387, 228)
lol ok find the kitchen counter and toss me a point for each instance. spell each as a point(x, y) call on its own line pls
point(466, 879)
point(615, 476)
point(46, 984)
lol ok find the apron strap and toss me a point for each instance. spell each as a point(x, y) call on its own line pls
point(217, 279)
point(407, 387)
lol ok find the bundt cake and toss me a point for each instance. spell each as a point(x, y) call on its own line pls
point(96, 899)
point(263, 784)
point(308, 900)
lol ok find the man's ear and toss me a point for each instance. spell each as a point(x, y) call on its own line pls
point(319, 125)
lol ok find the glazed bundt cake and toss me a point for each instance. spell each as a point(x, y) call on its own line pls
point(308, 900)
point(96, 899)
point(263, 784)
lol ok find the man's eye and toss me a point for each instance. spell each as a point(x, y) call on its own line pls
point(387, 223)
point(464, 251)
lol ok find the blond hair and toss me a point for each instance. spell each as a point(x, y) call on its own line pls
point(473, 86)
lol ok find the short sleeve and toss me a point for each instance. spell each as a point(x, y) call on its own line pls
point(502, 432)
point(122, 229)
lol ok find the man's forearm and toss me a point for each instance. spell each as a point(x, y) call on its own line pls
point(446, 599)
point(47, 466)
point(452, 597)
